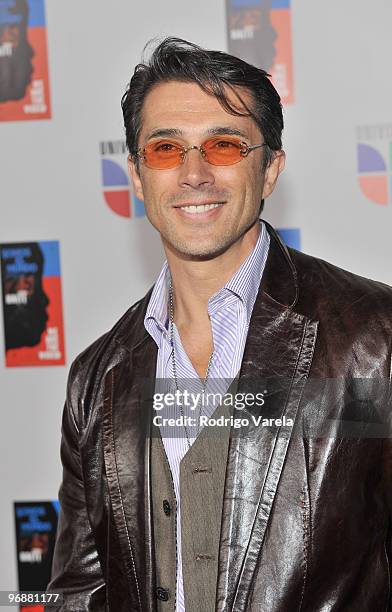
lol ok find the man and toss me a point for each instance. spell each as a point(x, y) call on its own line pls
point(290, 512)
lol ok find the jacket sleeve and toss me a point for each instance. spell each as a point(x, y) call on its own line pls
point(76, 569)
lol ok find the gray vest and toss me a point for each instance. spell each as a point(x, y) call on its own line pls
point(202, 478)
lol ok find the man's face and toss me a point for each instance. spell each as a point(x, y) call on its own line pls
point(237, 189)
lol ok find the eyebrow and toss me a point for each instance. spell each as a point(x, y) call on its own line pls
point(226, 130)
point(164, 133)
point(213, 131)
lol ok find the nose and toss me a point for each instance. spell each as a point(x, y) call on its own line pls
point(195, 171)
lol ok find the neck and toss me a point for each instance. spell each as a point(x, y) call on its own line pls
point(195, 281)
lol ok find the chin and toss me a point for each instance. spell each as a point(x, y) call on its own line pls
point(200, 252)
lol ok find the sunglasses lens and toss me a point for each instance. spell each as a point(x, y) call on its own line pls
point(162, 154)
point(223, 151)
point(219, 151)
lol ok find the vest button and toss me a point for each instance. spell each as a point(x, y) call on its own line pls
point(166, 507)
point(162, 594)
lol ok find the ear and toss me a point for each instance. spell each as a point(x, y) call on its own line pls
point(272, 172)
point(135, 177)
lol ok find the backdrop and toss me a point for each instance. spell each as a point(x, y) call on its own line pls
point(76, 248)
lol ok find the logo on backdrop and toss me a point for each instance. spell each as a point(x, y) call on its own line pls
point(374, 159)
point(259, 32)
point(24, 80)
point(32, 304)
point(117, 187)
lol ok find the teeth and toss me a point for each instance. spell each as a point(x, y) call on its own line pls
point(200, 209)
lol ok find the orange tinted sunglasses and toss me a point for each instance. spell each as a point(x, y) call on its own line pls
point(166, 153)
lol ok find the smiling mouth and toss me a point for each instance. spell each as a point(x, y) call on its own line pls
point(199, 208)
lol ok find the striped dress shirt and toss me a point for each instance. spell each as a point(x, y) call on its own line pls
point(230, 310)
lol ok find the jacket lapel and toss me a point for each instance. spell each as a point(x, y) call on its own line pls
point(126, 430)
point(276, 362)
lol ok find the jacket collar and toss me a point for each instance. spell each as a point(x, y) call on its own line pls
point(280, 278)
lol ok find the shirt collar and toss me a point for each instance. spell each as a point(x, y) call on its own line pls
point(244, 284)
point(156, 319)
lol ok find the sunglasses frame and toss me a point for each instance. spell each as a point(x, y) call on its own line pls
point(244, 151)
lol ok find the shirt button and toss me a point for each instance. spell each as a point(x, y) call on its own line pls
point(162, 594)
point(166, 507)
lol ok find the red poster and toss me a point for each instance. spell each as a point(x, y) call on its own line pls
point(24, 74)
point(32, 304)
point(259, 32)
point(36, 525)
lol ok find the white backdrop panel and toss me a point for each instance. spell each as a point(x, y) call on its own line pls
point(51, 186)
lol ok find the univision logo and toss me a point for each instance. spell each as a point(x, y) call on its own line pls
point(117, 188)
point(374, 158)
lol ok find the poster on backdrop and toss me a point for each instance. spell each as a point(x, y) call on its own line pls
point(24, 74)
point(259, 32)
point(35, 527)
point(32, 304)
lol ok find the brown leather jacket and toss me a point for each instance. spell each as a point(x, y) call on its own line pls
point(307, 510)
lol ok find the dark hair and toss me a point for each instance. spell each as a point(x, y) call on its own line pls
point(175, 59)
